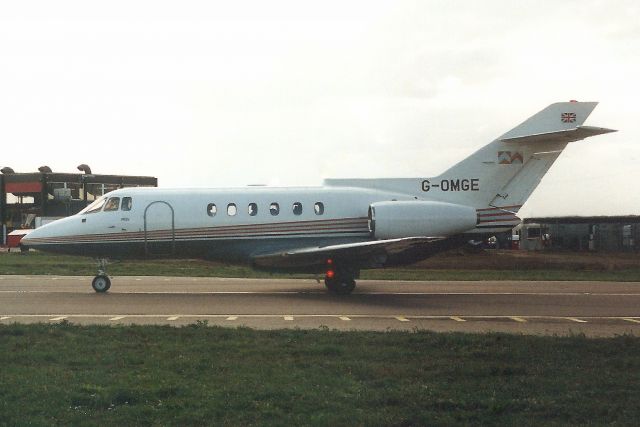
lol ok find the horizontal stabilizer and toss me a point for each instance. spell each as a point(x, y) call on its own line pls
point(568, 135)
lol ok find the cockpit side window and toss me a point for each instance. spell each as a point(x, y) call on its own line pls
point(94, 207)
point(113, 204)
point(126, 204)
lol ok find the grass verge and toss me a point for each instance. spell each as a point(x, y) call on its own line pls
point(63, 374)
point(39, 263)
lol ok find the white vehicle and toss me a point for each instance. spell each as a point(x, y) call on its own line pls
point(337, 229)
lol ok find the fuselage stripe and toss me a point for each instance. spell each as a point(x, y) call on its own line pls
point(517, 220)
point(496, 214)
point(347, 225)
point(499, 208)
point(192, 238)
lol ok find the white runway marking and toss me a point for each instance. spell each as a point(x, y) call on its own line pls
point(322, 292)
point(344, 317)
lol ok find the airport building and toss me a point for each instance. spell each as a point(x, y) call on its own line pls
point(28, 200)
point(600, 233)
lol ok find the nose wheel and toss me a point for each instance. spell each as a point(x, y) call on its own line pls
point(101, 283)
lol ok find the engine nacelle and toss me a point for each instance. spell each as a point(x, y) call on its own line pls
point(396, 219)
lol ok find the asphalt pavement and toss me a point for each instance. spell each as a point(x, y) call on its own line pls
point(592, 308)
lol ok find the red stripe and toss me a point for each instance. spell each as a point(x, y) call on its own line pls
point(23, 187)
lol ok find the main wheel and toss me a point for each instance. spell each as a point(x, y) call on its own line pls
point(101, 283)
point(340, 285)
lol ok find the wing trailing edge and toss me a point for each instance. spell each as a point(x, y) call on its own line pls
point(362, 253)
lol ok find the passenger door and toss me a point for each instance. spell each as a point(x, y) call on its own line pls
point(159, 229)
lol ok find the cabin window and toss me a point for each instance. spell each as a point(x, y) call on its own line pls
point(113, 204)
point(232, 210)
point(212, 210)
point(126, 203)
point(274, 208)
point(318, 208)
point(252, 209)
point(297, 208)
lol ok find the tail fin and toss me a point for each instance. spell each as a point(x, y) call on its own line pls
point(498, 178)
point(510, 168)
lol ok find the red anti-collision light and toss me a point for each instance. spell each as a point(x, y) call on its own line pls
point(330, 274)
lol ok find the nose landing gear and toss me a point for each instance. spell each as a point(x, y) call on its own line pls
point(101, 283)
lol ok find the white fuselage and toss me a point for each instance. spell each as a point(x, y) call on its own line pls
point(244, 222)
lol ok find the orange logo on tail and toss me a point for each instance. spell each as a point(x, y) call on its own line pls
point(509, 158)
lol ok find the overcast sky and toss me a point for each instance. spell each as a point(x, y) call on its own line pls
point(210, 94)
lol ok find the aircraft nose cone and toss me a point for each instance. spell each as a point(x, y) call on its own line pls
point(28, 241)
point(40, 235)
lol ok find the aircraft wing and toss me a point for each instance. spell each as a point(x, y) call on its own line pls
point(569, 135)
point(368, 253)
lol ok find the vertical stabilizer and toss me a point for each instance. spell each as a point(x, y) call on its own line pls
point(499, 177)
point(509, 169)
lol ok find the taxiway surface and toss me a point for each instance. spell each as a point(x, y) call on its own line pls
point(592, 308)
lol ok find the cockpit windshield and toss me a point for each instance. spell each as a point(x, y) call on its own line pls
point(113, 204)
point(94, 207)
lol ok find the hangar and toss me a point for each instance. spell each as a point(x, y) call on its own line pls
point(31, 199)
point(595, 233)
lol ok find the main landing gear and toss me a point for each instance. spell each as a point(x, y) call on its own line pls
point(101, 283)
point(340, 280)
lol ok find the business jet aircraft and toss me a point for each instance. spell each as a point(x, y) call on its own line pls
point(336, 229)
